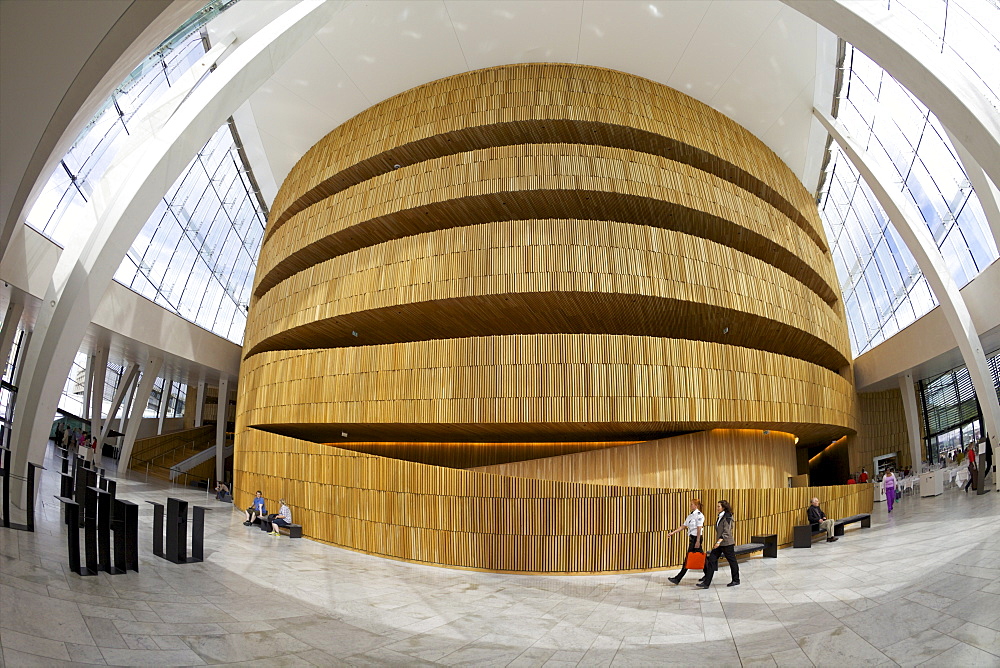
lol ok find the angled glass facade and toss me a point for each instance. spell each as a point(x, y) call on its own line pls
point(196, 254)
point(882, 286)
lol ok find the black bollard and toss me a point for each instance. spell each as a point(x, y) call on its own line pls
point(176, 530)
point(73, 534)
point(90, 530)
point(126, 526)
point(197, 534)
point(157, 529)
point(5, 476)
point(32, 476)
point(103, 530)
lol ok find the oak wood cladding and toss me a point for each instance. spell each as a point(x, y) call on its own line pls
point(521, 274)
point(719, 458)
point(560, 386)
point(542, 181)
point(881, 430)
point(533, 268)
point(540, 103)
point(468, 519)
point(467, 455)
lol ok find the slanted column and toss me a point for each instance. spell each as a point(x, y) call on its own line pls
point(199, 409)
point(99, 377)
point(220, 429)
point(912, 413)
point(142, 393)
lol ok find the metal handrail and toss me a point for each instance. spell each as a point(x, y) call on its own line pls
point(173, 481)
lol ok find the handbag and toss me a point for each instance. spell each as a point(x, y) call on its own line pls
point(695, 561)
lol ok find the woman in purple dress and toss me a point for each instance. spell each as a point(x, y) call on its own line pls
point(889, 481)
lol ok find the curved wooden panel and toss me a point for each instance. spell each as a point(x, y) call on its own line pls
point(542, 181)
point(541, 387)
point(720, 458)
point(539, 258)
point(543, 277)
point(468, 519)
point(468, 455)
point(542, 103)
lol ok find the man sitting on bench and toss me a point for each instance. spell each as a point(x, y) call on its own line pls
point(818, 517)
point(255, 511)
point(282, 519)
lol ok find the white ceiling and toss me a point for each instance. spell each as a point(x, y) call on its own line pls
point(754, 60)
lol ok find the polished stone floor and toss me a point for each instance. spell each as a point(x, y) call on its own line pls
point(921, 587)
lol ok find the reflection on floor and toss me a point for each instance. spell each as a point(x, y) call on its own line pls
point(919, 587)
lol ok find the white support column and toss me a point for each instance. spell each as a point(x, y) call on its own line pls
point(88, 385)
point(97, 395)
point(161, 410)
point(220, 428)
point(912, 413)
point(122, 203)
point(941, 80)
point(126, 412)
point(124, 389)
point(914, 233)
point(985, 189)
point(11, 319)
point(199, 409)
point(142, 393)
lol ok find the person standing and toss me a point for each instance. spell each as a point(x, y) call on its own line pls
point(863, 478)
point(725, 544)
point(889, 482)
point(695, 524)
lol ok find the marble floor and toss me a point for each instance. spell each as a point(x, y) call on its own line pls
point(920, 587)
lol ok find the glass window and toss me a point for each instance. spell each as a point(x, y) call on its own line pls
point(882, 287)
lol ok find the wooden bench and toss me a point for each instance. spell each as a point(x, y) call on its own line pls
point(803, 534)
point(294, 530)
point(768, 543)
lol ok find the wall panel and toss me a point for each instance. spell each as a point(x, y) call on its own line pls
point(720, 458)
point(544, 260)
point(469, 519)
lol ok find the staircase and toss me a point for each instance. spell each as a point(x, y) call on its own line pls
point(159, 456)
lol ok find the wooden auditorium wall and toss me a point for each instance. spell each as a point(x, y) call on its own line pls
point(720, 458)
point(547, 256)
point(468, 519)
point(881, 430)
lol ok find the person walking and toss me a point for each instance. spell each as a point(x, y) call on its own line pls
point(695, 524)
point(889, 482)
point(973, 475)
point(725, 544)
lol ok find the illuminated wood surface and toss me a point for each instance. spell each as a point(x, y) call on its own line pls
point(468, 455)
point(541, 103)
point(718, 458)
point(556, 386)
point(538, 261)
point(548, 276)
point(543, 181)
point(467, 519)
point(881, 430)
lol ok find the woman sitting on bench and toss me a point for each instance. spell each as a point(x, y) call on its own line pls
point(282, 519)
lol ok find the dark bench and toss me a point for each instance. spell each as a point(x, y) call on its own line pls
point(768, 543)
point(294, 530)
point(804, 533)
